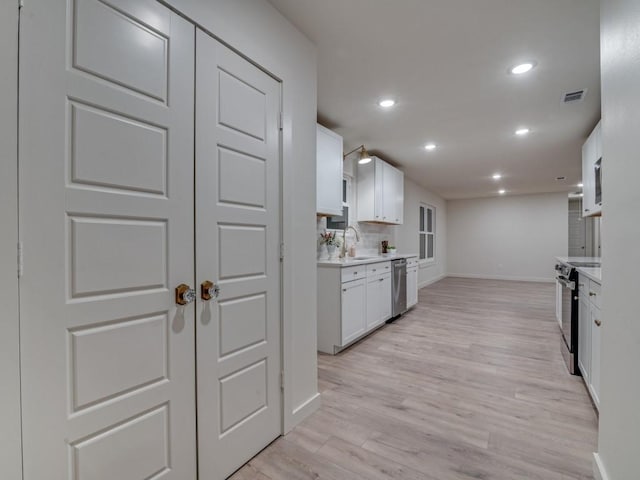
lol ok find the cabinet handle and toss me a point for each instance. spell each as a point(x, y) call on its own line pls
point(381, 280)
point(374, 269)
point(355, 273)
point(592, 294)
point(587, 210)
point(581, 284)
point(597, 322)
point(344, 289)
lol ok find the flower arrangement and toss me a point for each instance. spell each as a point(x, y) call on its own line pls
point(330, 238)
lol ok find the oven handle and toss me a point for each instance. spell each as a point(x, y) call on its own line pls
point(565, 282)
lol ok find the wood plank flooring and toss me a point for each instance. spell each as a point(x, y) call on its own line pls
point(468, 385)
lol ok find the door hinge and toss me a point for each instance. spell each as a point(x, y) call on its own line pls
point(20, 260)
point(281, 121)
point(281, 251)
point(282, 380)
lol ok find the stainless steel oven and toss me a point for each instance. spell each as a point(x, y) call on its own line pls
point(568, 278)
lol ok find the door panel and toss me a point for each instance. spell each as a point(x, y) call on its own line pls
point(237, 247)
point(106, 111)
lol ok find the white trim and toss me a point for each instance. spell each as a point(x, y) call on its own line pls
point(502, 277)
point(431, 281)
point(303, 411)
point(599, 472)
point(10, 415)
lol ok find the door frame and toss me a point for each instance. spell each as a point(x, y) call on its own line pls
point(10, 416)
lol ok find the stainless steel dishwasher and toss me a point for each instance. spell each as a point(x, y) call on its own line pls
point(399, 287)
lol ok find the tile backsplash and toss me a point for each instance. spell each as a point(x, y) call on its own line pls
point(371, 235)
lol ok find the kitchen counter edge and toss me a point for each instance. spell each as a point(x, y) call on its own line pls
point(351, 263)
point(592, 273)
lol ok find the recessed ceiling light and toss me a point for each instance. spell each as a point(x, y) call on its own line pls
point(502, 192)
point(522, 68)
point(430, 146)
point(387, 103)
point(497, 176)
point(580, 185)
point(522, 132)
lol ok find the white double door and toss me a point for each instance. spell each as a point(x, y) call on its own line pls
point(149, 158)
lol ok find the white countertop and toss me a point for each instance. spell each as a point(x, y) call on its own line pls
point(593, 273)
point(349, 261)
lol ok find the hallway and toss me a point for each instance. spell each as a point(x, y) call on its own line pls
point(470, 384)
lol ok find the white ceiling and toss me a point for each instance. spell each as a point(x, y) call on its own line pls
point(446, 63)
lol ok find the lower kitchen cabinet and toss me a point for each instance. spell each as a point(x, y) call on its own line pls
point(584, 337)
point(378, 300)
point(352, 301)
point(354, 320)
point(596, 332)
point(589, 336)
point(412, 281)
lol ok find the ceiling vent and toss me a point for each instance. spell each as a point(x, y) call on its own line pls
point(576, 96)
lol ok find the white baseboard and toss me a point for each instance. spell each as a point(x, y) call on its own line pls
point(599, 472)
point(303, 411)
point(502, 277)
point(431, 281)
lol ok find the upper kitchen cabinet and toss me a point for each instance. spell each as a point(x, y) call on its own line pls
point(592, 173)
point(329, 172)
point(380, 190)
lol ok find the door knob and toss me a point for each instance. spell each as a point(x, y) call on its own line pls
point(185, 294)
point(597, 322)
point(209, 290)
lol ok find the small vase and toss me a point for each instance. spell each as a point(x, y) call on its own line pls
point(331, 250)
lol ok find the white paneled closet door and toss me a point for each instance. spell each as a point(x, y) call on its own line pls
point(107, 222)
point(238, 249)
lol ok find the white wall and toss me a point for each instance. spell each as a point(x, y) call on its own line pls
point(619, 439)
point(407, 239)
point(258, 31)
point(511, 237)
point(10, 444)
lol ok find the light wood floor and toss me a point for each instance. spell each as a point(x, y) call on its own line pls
point(469, 385)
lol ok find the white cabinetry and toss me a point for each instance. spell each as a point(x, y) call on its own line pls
point(589, 336)
point(380, 191)
point(354, 321)
point(352, 301)
point(378, 294)
point(591, 153)
point(329, 172)
point(412, 281)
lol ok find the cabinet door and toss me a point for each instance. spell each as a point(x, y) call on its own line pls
point(381, 180)
point(384, 296)
point(596, 331)
point(584, 337)
point(412, 287)
point(353, 310)
point(329, 172)
point(373, 302)
point(559, 303)
point(398, 196)
point(589, 152)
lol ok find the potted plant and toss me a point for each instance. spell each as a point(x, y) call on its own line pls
point(391, 251)
point(332, 243)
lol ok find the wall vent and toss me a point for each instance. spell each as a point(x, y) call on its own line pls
point(575, 96)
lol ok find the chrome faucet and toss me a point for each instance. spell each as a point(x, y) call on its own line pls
point(343, 249)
